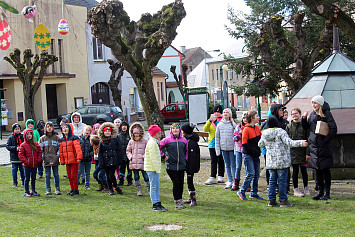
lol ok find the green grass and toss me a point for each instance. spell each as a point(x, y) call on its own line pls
point(219, 213)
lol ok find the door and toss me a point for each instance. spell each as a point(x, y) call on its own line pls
point(100, 93)
point(51, 95)
point(169, 112)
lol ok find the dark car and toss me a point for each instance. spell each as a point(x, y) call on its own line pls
point(95, 113)
point(174, 112)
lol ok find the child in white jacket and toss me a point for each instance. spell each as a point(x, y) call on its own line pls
point(278, 159)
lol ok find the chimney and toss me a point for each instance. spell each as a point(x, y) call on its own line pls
point(183, 49)
point(336, 47)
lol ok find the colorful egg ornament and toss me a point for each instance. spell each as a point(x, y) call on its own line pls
point(63, 27)
point(5, 35)
point(42, 37)
point(29, 13)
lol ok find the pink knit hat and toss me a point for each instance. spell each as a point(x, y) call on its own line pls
point(153, 129)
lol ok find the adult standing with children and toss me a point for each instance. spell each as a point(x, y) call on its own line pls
point(320, 145)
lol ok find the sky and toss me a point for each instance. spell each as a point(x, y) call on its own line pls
point(203, 26)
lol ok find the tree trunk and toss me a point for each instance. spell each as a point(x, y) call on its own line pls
point(29, 105)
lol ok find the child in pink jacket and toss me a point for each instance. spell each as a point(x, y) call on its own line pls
point(136, 153)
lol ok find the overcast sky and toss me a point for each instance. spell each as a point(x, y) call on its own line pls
point(203, 25)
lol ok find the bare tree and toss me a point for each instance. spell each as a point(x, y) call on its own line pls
point(115, 80)
point(138, 45)
point(26, 72)
point(180, 80)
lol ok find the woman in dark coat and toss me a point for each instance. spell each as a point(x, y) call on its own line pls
point(319, 145)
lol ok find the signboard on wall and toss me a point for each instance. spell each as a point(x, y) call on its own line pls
point(198, 107)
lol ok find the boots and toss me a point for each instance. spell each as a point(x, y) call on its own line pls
point(189, 200)
point(235, 186)
point(326, 194)
point(147, 184)
point(193, 198)
point(319, 195)
point(105, 189)
point(179, 204)
point(139, 188)
point(110, 192)
point(100, 188)
point(118, 190)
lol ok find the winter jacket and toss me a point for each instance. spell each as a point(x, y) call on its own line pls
point(124, 138)
point(278, 145)
point(296, 132)
point(224, 136)
point(176, 150)
point(70, 149)
point(27, 156)
point(152, 159)
point(86, 148)
point(237, 137)
point(77, 127)
point(250, 138)
point(320, 146)
point(193, 162)
point(274, 110)
point(50, 145)
point(36, 135)
point(136, 149)
point(13, 143)
point(110, 149)
point(211, 129)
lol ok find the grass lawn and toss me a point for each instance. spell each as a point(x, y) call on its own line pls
point(219, 213)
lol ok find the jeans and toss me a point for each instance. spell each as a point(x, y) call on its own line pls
point(84, 170)
point(72, 172)
point(239, 162)
point(17, 167)
point(280, 175)
point(136, 175)
point(30, 173)
point(252, 167)
point(229, 161)
point(48, 176)
point(190, 182)
point(178, 182)
point(40, 168)
point(99, 174)
point(154, 186)
point(216, 161)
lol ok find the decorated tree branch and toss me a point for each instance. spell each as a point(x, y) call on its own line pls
point(138, 45)
point(26, 72)
point(115, 79)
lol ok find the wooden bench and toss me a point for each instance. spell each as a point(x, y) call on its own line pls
point(203, 135)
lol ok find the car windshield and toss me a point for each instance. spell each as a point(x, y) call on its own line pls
point(116, 110)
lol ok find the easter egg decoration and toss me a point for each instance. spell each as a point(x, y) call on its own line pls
point(29, 13)
point(42, 37)
point(63, 27)
point(5, 35)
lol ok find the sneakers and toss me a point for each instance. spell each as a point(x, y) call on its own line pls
point(48, 191)
point(158, 207)
point(285, 204)
point(179, 204)
point(228, 185)
point(40, 176)
point(210, 181)
point(14, 185)
point(306, 191)
point(297, 193)
point(87, 188)
point(57, 191)
point(70, 192)
point(110, 192)
point(220, 179)
point(118, 190)
point(27, 195)
point(242, 196)
point(256, 197)
point(129, 183)
point(272, 203)
point(75, 192)
point(34, 193)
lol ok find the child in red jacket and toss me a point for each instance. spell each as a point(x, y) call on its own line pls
point(70, 154)
point(31, 155)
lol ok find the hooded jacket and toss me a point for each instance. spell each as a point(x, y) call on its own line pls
point(110, 149)
point(152, 159)
point(250, 138)
point(278, 144)
point(29, 157)
point(193, 162)
point(176, 150)
point(136, 149)
point(70, 150)
point(36, 135)
point(86, 148)
point(77, 127)
point(13, 143)
point(320, 146)
point(237, 137)
point(50, 145)
point(124, 138)
point(224, 136)
point(274, 109)
point(296, 132)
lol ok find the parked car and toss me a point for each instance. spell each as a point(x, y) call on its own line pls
point(95, 113)
point(174, 112)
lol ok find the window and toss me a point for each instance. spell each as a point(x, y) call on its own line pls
point(227, 75)
point(92, 110)
point(170, 108)
point(217, 74)
point(53, 53)
point(82, 110)
point(102, 110)
point(79, 102)
point(231, 74)
point(60, 56)
point(98, 49)
point(162, 90)
point(212, 75)
point(181, 107)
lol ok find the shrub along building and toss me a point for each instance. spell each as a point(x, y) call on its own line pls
point(65, 85)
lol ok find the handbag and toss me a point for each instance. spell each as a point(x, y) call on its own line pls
point(322, 128)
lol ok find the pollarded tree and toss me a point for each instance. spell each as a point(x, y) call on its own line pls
point(138, 45)
point(26, 72)
point(115, 79)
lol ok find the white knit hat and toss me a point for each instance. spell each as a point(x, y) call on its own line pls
point(229, 111)
point(318, 99)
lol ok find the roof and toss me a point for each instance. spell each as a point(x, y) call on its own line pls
point(336, 62)
point(83, 3)
point(191, 52)
point(157, 72)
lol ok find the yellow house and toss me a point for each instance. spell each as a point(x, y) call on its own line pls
point(66, 85)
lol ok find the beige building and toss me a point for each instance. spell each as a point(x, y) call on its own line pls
point(65, 86)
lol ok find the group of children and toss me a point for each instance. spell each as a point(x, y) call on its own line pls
point(111, 147)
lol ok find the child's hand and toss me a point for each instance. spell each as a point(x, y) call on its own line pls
point(304, 143)
point(166, 158)
point(305, 113)
point(78, 160)
point(308, 158)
